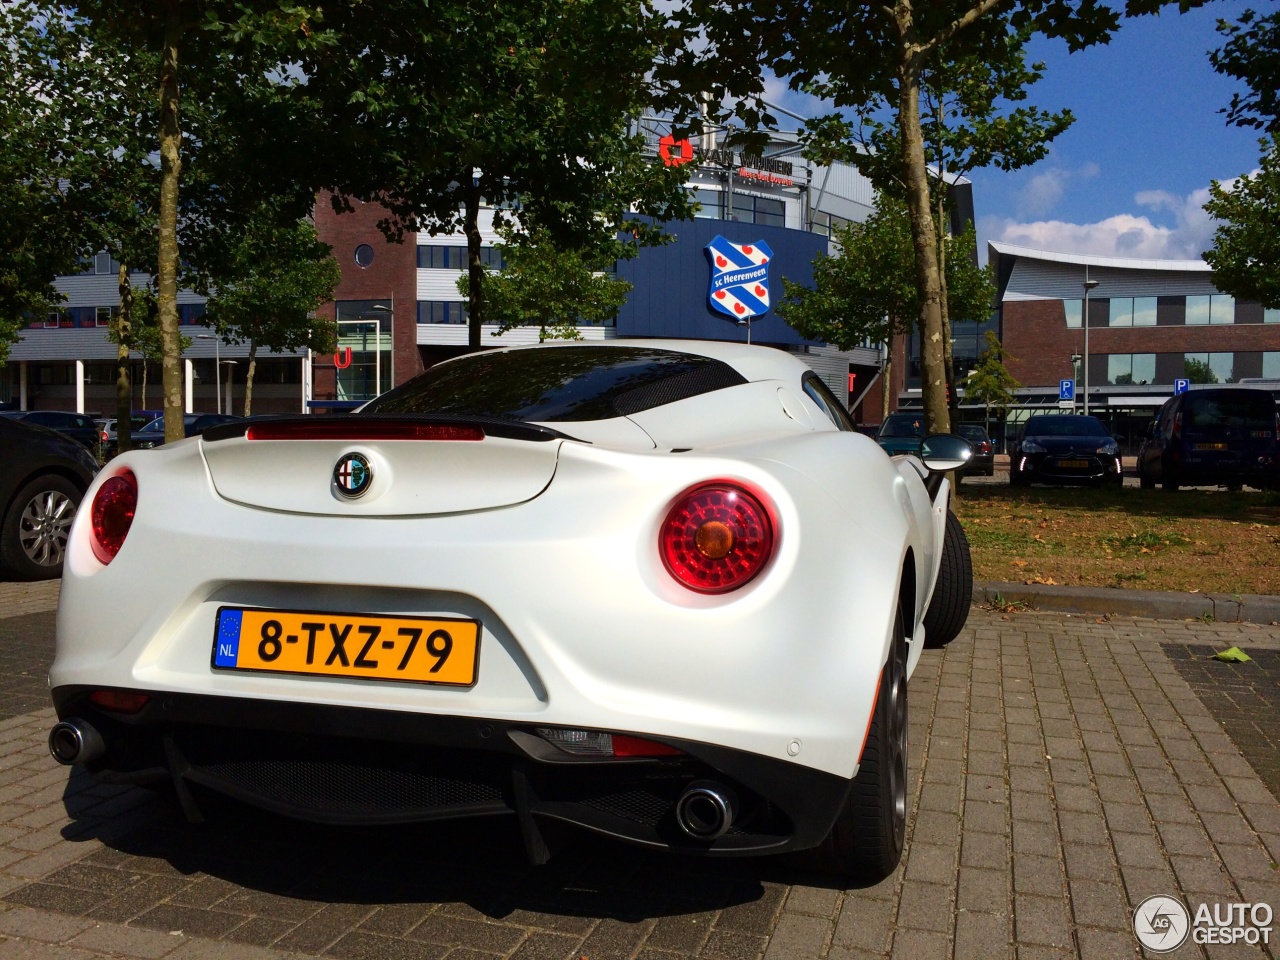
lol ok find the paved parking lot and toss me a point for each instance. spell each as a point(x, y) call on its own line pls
point(1064, 769)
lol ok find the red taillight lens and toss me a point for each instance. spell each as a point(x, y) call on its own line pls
point(105, 436)
point(119, 701)
point(625, 746)
point(112, 515)
point(716, 538)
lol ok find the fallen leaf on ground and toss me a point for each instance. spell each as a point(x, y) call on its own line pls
point(1232, 655)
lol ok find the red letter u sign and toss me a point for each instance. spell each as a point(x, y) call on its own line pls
point(342, 359)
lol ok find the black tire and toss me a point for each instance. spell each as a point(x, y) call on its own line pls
point(1018, 479)
point(33, 537)
point(866, 840)
point(949, 606)
point(1145, 481)
point(1170, 485)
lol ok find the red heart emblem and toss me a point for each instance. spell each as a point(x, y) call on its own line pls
point(739, 308)
point(719, 294)
point(747, 250)
point(760, 291)
point(765, 260)
point(721, 262)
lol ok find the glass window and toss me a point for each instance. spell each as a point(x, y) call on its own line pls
point(364, 255)
point(1144, 368)
point(492, 258)
point(1197, 311)
point(1271, 365)
point(558, 384)
point(102, 316)
point(191, 313)
point(1222, 309)
point(104, 264)
point(770, 213)
point(1270, 316)
point(442, 311)
point(1144, 311)
point(712, 202)
point(441, 257)
point(1120, 368)
point(821, 394)
point(1223, 365)
point(1073, 310)
point(1121, 312)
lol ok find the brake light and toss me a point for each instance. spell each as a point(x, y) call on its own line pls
point(716, 538)
point(112, 515)
point(355, 428)
point(119, 701)
point(594, 743)
point(105, 436)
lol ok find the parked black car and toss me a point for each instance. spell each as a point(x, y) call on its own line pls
point(107, 429)
point(1065, 449)
point(983, 463)
point(78, 426)
point(1216, 436)
point(194, 424)
point(43, 477)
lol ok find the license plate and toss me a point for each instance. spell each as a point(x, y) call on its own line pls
point(1211, 446)
point(413, 649)
point(1074, 464)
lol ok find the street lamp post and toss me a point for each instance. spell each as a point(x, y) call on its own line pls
point(1088, 285)
point(217, 368)
point(230, 376)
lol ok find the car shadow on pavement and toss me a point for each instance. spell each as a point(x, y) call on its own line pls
point(155, 869)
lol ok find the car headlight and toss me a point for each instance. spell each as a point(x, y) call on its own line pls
point(1030, 446)
point(1110, 448)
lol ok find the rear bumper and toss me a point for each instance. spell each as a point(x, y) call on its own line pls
point(1045, 468)
point(333, 764)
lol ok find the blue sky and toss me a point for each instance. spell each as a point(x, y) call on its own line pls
point(1129, 178)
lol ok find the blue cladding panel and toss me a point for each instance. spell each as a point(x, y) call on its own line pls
point(670, 295)
point(228, 638)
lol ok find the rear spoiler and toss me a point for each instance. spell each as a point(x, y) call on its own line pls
point(355, 426)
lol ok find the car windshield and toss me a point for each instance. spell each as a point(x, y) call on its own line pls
point(157, 425)
point(1065, 426)
point(1242, 409)
point(558, 384)
point(970, 432)
point(903, 427)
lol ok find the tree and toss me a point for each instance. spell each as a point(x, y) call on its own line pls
point(1246, 244)
point(868, 293)
point(534, 126)
point(1252, 54)
point(1198, 371)
point(871, 58)
point(990, 382)
point(544, 285)
point(270, 279)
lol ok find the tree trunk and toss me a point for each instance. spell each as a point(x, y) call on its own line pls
point(124, 393)
point(167, 275)
point(475, 269)
point(933, 391)
point(886, 375)
point(145, 363)
point(940, 228)
point(248, 380)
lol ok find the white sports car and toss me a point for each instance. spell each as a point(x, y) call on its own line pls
point(658, 589)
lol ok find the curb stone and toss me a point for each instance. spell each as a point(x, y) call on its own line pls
point(1148, 604)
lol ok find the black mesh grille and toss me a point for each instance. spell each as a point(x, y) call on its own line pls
point(639, 806)
point(700, 380)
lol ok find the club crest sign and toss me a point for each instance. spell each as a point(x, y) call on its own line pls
point(739, 278)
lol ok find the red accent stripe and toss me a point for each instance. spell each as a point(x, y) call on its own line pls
point(874, 700)
point(628, 746)
point(362, 430)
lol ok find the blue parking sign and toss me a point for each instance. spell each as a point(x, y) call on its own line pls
point(1066, 389)
point(1181, 385)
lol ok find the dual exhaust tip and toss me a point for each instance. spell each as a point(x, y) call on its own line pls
point(75, 741)
point(706, 809)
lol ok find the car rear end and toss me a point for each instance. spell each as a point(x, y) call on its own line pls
point(1226, 437)
point(501, 621)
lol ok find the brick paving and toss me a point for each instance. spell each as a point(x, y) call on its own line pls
point(1063, 769)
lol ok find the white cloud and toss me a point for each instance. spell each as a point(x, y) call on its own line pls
point(1186, 233)
point(1043, 191)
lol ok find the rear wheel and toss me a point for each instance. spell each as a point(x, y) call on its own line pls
point(865, 843)
point(33, 537)
point(1144, 480)
point(949, 606)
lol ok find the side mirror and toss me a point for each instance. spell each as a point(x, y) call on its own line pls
point(942, 452)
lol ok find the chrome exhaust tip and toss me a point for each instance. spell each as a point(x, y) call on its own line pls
point(706, 809)
point(75, 741)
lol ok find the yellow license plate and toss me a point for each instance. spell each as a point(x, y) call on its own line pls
point(1073, 464)
point(1211, 446)
point(412, 649)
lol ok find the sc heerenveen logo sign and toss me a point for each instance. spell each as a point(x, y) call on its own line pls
point(739, 278)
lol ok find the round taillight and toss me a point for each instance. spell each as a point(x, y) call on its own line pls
point(716, 538)
point(112, 515)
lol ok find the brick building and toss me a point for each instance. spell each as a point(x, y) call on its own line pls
point(1146, 320)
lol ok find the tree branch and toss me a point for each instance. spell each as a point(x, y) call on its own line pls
point(974, 13)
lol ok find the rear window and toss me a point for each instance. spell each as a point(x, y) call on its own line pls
point(972, 433)
point(1238, 409)
point(559, 384)
point(903, 427)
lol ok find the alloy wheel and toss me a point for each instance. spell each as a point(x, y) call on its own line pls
point(44, 526)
